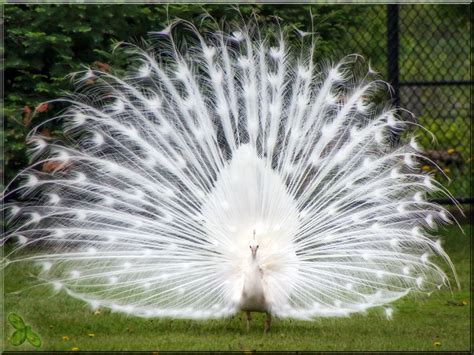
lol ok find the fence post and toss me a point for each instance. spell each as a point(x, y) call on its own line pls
point(393, 42)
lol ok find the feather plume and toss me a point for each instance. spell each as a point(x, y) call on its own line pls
point(172, 170)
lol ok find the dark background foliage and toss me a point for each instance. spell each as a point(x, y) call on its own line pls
point(45, 43)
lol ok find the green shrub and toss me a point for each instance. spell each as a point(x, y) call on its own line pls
point(45, 43)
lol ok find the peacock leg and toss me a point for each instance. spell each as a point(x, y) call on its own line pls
point(249, 318)
point(268, 322)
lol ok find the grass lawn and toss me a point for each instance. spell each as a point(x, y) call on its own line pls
point(437, 322)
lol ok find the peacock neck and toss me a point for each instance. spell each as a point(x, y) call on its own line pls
point(253, 262)
point(253, 296)
point(254, 271)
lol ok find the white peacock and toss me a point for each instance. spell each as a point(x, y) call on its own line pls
point(230, 175)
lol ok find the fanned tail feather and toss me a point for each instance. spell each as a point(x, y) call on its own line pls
point(150, 209)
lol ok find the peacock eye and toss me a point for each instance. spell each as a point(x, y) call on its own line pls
point(257, 246)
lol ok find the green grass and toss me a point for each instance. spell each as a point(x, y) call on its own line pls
point(418, 321)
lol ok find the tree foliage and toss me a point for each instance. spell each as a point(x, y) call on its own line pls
point(45, 43)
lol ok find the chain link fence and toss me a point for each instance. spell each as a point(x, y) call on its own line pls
point(424, 52)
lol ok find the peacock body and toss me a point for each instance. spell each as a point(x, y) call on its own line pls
point(230, 175)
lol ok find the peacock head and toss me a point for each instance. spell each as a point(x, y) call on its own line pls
point(253, 249)
point(254, 246)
